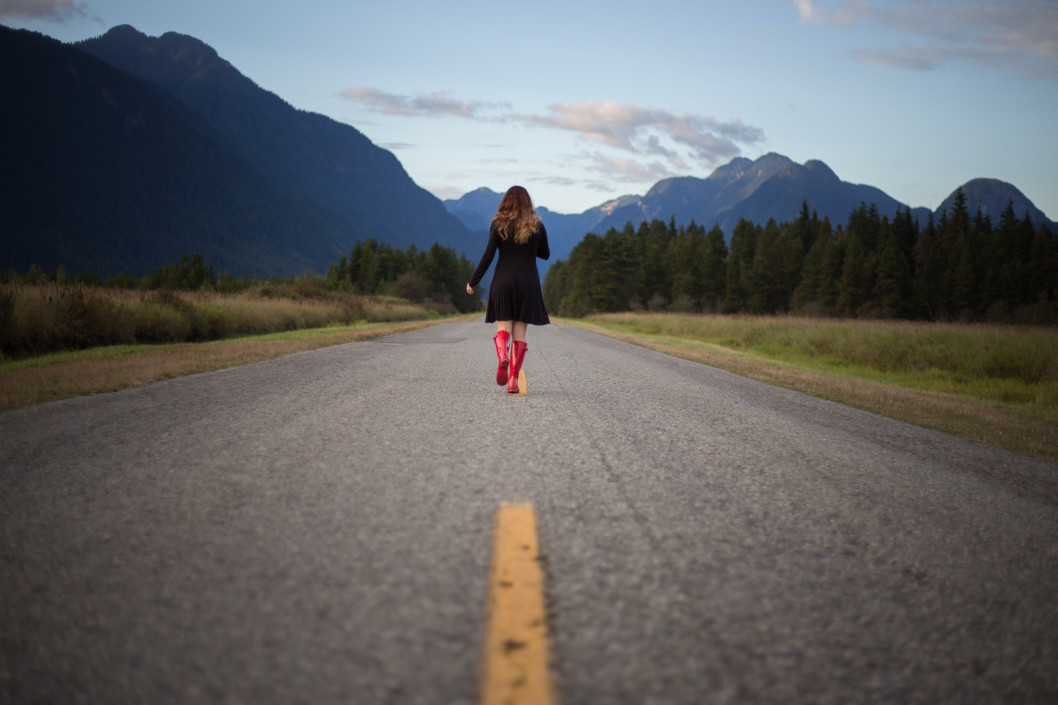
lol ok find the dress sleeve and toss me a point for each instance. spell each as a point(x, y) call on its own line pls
point(486, 258)
point(543, 251)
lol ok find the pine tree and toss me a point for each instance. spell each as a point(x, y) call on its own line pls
point(585, 290)
point(892, 286)
point(929, 274)
point(555, 287)
point(771, 271)
point(960, 214)
point(805, 227)
point(618, 267)
point(687, 261)
point(739, 267)
point(657, 275)
point(714, 270)
point(1013, 269)
point(850, 287)
point(963, 283)
point(830, 276)
point(806, 294)
point(905, 230)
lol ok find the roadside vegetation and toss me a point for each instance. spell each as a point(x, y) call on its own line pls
point(36, 319)
point(187, 301)
point(995, 384)
point(64, 335)
point(961, 267)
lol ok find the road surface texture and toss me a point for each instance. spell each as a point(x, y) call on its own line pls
point(317, 529)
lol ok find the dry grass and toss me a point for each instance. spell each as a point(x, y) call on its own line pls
point(42, 318)
point(1027, 422)
point(109, 369)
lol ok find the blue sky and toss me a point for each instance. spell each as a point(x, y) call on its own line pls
point(582, 102)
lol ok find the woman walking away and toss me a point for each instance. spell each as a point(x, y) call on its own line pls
point(515, 298)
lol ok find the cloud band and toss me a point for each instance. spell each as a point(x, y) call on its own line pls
point(680, 140)
point(1020, 36)
point(54, 10)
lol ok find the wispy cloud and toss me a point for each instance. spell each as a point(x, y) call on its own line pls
point(661, 143)
point(557, 180)
point(816, 12)
point(646, 131)
point(628, 169)
point(1020, 36)
point(51, 10)
point(910, 58)
point(809, 12)
point(437, 104)
point(658, 143)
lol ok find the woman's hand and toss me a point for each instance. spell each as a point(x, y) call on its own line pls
point(470, 290)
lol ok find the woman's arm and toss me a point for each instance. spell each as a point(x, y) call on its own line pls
point(486, 260)
point(543, 251)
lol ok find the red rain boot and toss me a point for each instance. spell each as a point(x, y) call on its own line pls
point(501, 339)
point(518, 349)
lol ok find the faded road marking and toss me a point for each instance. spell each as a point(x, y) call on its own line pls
point(515, 664)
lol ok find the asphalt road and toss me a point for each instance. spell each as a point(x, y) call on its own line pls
point(317, 529)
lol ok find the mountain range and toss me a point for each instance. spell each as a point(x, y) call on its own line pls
point(772, 186)
point(123, 152)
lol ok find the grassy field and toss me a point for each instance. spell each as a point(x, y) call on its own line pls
point(59, 341)
point(993, 384)
point(43, 318)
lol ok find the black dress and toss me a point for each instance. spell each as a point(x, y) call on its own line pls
point(515, 292)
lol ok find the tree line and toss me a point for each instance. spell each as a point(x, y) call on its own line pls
point(957, 267)
point(437, 274)
point(189, 273)
point(417, 275)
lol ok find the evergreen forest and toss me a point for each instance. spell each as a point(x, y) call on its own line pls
point(412, 274)
point(964, 267)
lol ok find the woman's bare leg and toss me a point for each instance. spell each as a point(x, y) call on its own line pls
point(504, 325)
point(518, 330)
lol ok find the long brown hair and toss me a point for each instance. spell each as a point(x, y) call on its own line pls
point(516, 216)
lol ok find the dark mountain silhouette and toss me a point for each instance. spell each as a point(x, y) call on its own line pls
point(991, 197)
point(475, 209)
point(689, 198)
point(106, 172)
point(357, 185)
point(781, 197)
point(772, 186)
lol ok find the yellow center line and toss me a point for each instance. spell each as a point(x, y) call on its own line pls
point(515, 664)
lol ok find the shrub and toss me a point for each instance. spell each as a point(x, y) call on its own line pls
point(411, 286)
